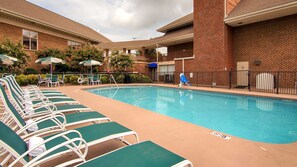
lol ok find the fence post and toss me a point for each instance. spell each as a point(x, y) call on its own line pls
point(249, 80)
point(197, 78)
point(212, 79)
point(277, 83)
point(230, 79)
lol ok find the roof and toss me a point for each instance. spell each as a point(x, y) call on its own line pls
point(181, 22)
point(28, 11)
point(251, 11)
point(182, 35)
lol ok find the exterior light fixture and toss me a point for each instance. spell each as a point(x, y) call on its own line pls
point(257, 62)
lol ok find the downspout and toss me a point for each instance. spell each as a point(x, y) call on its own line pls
point(183, 61)
point(157, 62)
point(225, 8)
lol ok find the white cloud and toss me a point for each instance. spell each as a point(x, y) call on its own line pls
point(121, 19)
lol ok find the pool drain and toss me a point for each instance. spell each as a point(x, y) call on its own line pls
point(218, 134)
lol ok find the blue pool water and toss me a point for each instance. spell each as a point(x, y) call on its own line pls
point(257, 119)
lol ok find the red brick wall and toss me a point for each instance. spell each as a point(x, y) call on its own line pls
point(10, 32)
point(142, 68)
point(180, 50)
point(49, 41)
point(274, 42)
point(211, 38)
point(15, 34)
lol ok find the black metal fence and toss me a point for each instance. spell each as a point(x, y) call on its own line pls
point(280, 82)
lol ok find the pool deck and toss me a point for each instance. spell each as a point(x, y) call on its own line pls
point(193, 142)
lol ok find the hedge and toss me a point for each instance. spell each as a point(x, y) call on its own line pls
point(32, 79)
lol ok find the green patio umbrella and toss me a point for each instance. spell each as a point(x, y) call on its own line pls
point(5, 59)
point(50, 61)
point(90, 63)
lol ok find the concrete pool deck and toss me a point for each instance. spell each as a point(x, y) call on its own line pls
point(193, 142)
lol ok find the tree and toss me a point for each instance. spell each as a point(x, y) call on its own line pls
point(84, 53)
point(15, 50)
point(120, 61)
point(50, 52)
point(53, 52)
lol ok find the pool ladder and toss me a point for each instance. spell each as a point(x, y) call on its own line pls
point(112, 79)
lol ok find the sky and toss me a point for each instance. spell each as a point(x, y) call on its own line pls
point(121, 20)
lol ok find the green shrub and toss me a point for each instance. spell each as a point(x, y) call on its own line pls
point(120, 78)
point(21, 79)
point(30, 71)
point(134, 78)
point(145, 79)
point(67, 79)
point(73, 79)
point(138, 78)
point(32, 79)
point(104, 79)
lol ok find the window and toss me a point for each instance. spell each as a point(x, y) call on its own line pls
point(30, 39)
point(162, 50)
point(166, 69)
point(74, 45)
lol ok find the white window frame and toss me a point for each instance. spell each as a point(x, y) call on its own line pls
point(73, 44)
point(167, 71)
point(30, 39)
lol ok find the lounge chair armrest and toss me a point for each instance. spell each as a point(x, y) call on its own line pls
point(51, 108)
point(47, 104)
point(59, 125)
point(70, 143)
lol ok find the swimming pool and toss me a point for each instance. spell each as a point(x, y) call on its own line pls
point(253, 118)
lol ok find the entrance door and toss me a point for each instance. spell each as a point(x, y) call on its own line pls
point(154, 74)
point(242, 73)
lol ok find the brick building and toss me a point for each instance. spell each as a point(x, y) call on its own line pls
point(37, 28)
point(224, 35)
point(260, 33)
point(220, 35)
point(178, 38)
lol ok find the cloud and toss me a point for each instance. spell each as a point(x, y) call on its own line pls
point(121, 19)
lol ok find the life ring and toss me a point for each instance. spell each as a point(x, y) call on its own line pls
point(80, 80)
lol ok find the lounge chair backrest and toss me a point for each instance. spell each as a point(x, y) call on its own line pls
point(19, 120)
point(12, 142)
point(14, 84)
point(17, 99)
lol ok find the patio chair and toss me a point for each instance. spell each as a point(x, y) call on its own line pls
point(41, 80)
point(61, 143)
point(144, 154)
point(95, 80)
point(54, 81)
